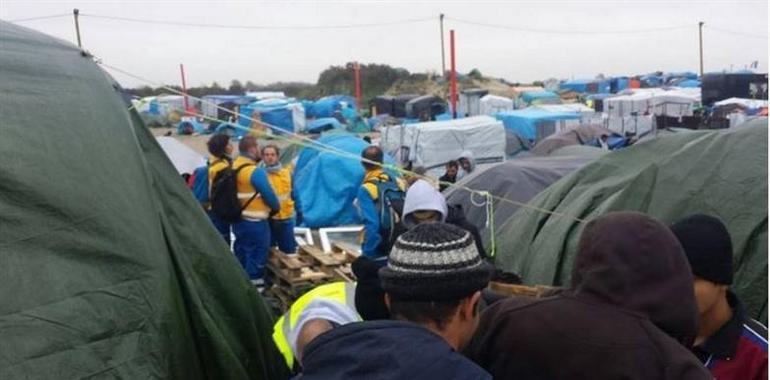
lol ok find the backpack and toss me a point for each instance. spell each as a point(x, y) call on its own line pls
point(199, 184)
point(390, 206)
point(224, 194)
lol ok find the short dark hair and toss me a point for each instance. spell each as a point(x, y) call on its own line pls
point(247, 142)
point(453, 164)
point(372, 153)
point(437, 312)
point(217, 145)
point(271, 146)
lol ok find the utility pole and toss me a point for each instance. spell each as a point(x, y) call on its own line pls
point(453, 74)
point(184, 89)
point(443, 61)
point(357, 81)
point(700, 38)
point(75, 13)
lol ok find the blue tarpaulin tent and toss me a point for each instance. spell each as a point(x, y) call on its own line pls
point(326, 106)
point(524, 122)
point(189, 127)
point(323, 124)
point(587, 86)
point(326, 183)
point(689, 83)
point(276, 112)
point(530, 97)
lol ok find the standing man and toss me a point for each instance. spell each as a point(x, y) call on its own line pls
point(220, 149)
point(252, 232)
point(281, 223)
point(450, 175)
point(732, 345)
point(467, 164)
point(376, 185)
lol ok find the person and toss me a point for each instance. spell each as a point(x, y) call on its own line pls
point(432, 288)
point(629, 312)
point(312, 314)
point(282, 223)
point(423, 203)
point(220, 150)
point(414, 175)
point(729, 343)
point(467, 164)
point(375, 244)
point(603, 142)
point(450, 174)
point(252, 232)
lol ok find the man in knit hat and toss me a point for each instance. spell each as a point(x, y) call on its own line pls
point(729, 343)
point(432, 283)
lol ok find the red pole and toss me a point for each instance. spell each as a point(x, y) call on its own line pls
point(453, 74)
point(357, 78)
point(184, 89)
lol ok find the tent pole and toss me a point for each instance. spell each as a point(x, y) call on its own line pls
point(76, 13)
point(453, 74)
point(700, 40)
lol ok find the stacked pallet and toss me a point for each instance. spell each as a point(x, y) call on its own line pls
point(293, 275)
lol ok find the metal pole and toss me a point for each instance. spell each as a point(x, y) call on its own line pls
point(700, 39)
point(184, 89)
point(443, 61)
point(75, 13)
point(453, 74)
point(357, 78)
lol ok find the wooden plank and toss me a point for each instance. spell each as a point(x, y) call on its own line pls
point(291, 262)
point(322, 258)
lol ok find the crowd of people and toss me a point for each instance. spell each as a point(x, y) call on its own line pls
point(645, 301)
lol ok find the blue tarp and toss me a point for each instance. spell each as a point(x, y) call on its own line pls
point(689, 83)
point(236, 99)
point(584, 86)
point(273, 111)
point(188, 127)
point(323, 124)
point(531, 96)
point(326, 106)
point(326, 183)
point(524, 122)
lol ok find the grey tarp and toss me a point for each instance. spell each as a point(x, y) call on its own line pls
point(517, 180)
point(722, 173)
point(579, 135)
point(109, 267)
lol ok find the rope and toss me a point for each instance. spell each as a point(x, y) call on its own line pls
point(310, 143)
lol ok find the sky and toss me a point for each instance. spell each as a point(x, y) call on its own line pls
point(519, 41)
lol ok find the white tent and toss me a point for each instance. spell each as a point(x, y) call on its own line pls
point(654, 101)
point(492, 104)
point(184, 158)
point(747, 103)
point(432, 144)
point(580, 108)
point(262, 95)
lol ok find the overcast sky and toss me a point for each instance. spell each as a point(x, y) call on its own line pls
point(541, 39)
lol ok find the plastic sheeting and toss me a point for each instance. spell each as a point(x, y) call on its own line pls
point(285, 114)
point(327, 183)
point(531, 97)
point(323, 124)
point(518, 180)
point(326, 106)
point(434, 143)
point(579, 135)
point(492, 104)
point(110, 267)
point(184, 158)
point(525, 122)
point(721, 173)
point(658, 101)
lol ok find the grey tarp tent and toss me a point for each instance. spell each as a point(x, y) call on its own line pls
point(579, 135)
point(109, 267)
point(722, 173)
point(518, 180)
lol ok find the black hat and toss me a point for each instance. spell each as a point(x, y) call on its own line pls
point(434, 262)
point(708, 247)
point(370, 298)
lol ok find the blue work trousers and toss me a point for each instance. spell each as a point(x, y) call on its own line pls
point(282, 233)
point(252, 241)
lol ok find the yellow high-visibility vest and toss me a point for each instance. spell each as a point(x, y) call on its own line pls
point(341, 292)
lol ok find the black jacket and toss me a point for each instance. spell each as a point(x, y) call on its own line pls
point(628, 314)
point(456, 216)
point(382, 350)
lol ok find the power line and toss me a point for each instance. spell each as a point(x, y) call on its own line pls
point(262, 27)
point(736, 33)
point(565, 31)
point(40, 18)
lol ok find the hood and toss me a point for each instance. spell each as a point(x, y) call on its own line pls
point(631, 260)
point(469, 155)
point(422, 196)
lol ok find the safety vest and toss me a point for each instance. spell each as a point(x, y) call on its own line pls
point(281, 182)
point(341, 292)
point(216, 165)
point(257, 209)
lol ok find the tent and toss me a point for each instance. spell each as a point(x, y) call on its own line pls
point(469, 102)
point(579, 135)
point(430, 104)
point(535, 124)
point(184, 158)
point(540, 97)
point(189, 126)
point(326, 182)
point(431, 144)
point(323, 124)
point(654, 101)
point(326, 106)
point(721, 173)
point(210, 105)
point(111, 268)
point(285, 114)
point(518, 180)
point(587, 86)
point(492, 104)
point(582, 109)
point(383, 104)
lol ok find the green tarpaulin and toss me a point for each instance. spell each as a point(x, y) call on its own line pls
point(721, 173)
point(109, 267)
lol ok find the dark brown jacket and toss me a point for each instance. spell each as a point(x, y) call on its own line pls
point(628, 314)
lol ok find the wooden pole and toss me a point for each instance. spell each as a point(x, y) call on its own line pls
point(76, 13)
point(184, 89)
point(443, 61)
point(357, 79)
point(453, 74)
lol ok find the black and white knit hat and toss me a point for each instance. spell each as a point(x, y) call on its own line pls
point(434, 262)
